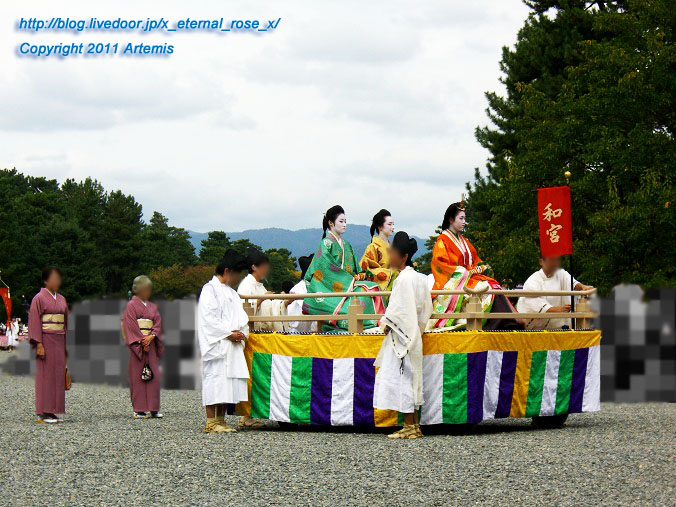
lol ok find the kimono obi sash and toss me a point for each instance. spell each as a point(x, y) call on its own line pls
point(145, 325)
point(53, 321)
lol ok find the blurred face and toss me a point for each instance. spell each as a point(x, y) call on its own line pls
point(397, 260)
point(550, 265)
point(233, 278)
point(340, 225)
point(388, 227)
point(144, 292)
point(260, 272)
point(458, 225)
point(53, 283)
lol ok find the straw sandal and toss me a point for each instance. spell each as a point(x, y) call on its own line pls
point(408, 432)
point(216, 426)
point(247, 422)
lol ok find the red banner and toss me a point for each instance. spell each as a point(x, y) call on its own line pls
point(556, 225)
point(4, 292)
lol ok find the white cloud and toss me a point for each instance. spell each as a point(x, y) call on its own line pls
point(367, 104)
point(43, 96)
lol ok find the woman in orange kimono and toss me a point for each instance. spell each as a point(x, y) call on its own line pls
point(456, 265)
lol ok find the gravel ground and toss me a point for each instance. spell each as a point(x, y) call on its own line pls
point(624, 454)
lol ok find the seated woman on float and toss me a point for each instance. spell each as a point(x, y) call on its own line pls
point(334, 269)
point(376, 258)
point(456, 265)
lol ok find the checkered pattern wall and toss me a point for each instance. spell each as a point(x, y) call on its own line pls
point(638, 344)
point(638, 347)
point(97, 353)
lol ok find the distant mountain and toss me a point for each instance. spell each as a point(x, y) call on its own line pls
point(300, 242)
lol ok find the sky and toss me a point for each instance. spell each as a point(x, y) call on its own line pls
point(365, 104)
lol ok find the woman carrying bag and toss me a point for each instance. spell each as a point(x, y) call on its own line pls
point(142, 331)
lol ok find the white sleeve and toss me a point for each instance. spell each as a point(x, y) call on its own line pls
point(245, 288)
point(245, 329)
point(213, 327)
point(532, 304)
point(403, 340)
point(565, 281)
point(294, 309)
point(401, 315)
point(243, 320)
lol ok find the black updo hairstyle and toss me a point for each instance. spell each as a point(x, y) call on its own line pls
point(378, 221)
point(451, 212)
point(47, 272)
point(330, 216)
point(405, 245)
point(304, 262)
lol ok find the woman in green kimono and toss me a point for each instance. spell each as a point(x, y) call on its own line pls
point(335, 269)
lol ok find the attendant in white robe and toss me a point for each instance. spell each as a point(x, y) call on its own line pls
point(399, 382)
point(258, 266)
point(272, 308)
point(222, 330)
point(550, 278)
point(13, 335)
point(295, 306)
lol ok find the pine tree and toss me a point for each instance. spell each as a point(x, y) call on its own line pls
point(213, 247)
point(590, 89)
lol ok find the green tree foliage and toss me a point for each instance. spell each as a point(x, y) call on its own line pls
point(282, 268)
point(425, 260)
point(590, 89)
point(213, 247)
point(34, 221)
point(243, 246)
point(121, 241)
point(100, 242)
point(179, 280)
point(98, 239)
point(164, 245)
point(175, 282)
point(217, 242)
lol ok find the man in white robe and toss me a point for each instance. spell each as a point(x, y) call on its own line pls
point(399, 381)
point(222, 330)
point(295, 307)
point(272, 308)
point(550, 278)
point(13, 335)
point(258, 266)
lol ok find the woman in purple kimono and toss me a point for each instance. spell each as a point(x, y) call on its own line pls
point(47, 324)
point(142, 331)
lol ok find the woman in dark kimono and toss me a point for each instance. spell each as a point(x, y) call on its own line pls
point(47, 325)
point(142, 331)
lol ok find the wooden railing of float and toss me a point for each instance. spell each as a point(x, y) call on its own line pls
point(473, 314)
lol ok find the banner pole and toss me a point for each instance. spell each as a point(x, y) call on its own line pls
point(572, 298)
point(567, 175)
